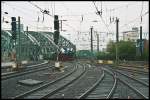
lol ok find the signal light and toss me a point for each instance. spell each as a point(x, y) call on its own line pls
point(13, 24)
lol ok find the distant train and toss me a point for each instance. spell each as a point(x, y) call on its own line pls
point(65, 57)
point(85, 54)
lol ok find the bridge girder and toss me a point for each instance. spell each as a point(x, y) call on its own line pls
point(35, 44)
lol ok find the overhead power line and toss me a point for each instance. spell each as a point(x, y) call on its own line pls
point(43, 11)
point(47, 12)
point(135, 19)
point(141, 11)
point(101, 18)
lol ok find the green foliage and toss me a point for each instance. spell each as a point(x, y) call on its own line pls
point(104, 56)
point(145, 56)
point(126, 50)
point(111, 48)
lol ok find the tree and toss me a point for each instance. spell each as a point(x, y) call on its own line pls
point(104, 56)
point(111, 49)
point(126, 50)
point(144, 56)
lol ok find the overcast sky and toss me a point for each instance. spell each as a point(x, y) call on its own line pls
point(79, 15)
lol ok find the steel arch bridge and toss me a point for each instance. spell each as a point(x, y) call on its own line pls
point(34, 44)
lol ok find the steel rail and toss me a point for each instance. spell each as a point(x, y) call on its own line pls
point(44, 85)
point(136, 71)
point(62, 87)
point(85, 94)
point(16, 74)
point(130, 86)
point(114, 86)
point(134, 89)
point(30, 67)
point(133, 78)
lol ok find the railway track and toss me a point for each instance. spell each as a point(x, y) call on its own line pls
point(138, 87)
point(45, 76)
point(123, 91)
point(29, 69)
point(129, 77)
point(103, 88)
point(136, 74)
point(138, 66)
point(136, 93)
point(81, 85)
point(134, 69)
point(26, 68)
point(9, 69)
point(53, 86)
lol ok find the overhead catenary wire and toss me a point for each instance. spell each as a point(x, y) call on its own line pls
point(51, 15)
point(71, 27)
point(25, 13)
point(52, 8)
point(101, 7)
point(64, 5)
point(141, 12)
point(101, 18)
point(43, 11)
point(89, 13)
point(134, 20)
point(117, 8)
point(31, 20)
point(26, 10)
point(104, 21)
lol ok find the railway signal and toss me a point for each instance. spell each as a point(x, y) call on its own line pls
point(117, 38)
point(13, 24)
point(91, 39)
point(56, 29)
point(15, 31)
point(141, 51)
point(56, 39)
point(97, 42)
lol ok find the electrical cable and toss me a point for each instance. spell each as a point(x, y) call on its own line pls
point(17, 9)
point(102, 18)
point(135, 19)
point(141, 12)
point(43, 11)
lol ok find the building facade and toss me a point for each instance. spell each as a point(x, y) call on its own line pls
point(132, 35)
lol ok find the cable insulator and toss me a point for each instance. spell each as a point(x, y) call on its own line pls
point(3, 19)
point(113, 19)
point(110, 19)
point(43, 17)
point(98, 13)
point(6, 12)
point(101, 13)
point(38, 19)
point(141, 19)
